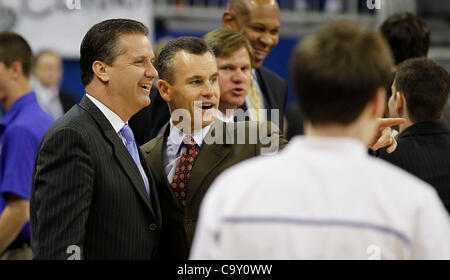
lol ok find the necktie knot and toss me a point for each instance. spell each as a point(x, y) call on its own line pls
point(189, 142)
point(127, 133)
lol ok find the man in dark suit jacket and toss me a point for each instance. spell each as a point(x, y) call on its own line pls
point(189, 83)
point(259, 22)
point(93, 196)
point(419, 94)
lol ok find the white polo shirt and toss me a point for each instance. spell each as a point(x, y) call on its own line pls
point(321, 198)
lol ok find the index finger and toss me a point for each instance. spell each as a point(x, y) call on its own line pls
point(386, 122)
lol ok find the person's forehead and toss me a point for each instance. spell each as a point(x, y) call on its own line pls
point(48, 58)
point(136, 44)
point(242, 55)
point(192, 64)
point(267, 13)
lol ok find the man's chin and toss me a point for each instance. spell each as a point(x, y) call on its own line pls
point(208, 122)
point(257, 63)
point(144, 102)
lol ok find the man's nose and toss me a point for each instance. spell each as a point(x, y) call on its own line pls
point(208, 89)
point(150, 71)
point(266, 39)
point(238, 77)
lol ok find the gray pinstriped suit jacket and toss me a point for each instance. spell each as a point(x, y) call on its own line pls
point(87, 191)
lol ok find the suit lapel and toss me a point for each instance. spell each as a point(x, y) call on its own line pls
point(209, 157)
point(265, 89)
point(120, 151)
point(268, 97)
point(152, 186)
point(156, 160)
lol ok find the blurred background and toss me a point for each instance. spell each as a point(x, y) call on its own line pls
point(60, 25)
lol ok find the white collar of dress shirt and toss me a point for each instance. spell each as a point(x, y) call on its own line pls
point(347, 146)
point(112, 117)
point(176, 136)
point(221, 116)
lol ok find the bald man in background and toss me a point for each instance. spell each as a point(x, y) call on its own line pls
point(259, 22)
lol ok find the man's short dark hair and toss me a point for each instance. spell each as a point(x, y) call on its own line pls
point(337, 71)
point(408, 36)
point(425, 85)
point(14, 47)
point(100, 43)
point(165, 63)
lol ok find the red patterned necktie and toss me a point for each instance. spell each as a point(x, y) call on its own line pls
point(183, 171)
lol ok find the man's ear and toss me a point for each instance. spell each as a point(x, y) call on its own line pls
point(100, 70)
point(17, 69)
point(229, 21)
point(379, 103)
point(164, 89)
point(400, 102)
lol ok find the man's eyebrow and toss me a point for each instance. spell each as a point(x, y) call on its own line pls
point(264, 24)
point(215, 75)
point(143, 57)
point(194, 77)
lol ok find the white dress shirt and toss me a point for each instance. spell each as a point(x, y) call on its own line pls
point(48, 98)
point(173, 152)
point(321, 198)
point(115, 121)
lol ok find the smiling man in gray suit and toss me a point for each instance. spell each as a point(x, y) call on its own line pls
point(93, 196)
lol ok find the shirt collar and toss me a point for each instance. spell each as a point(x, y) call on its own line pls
point(176, 136)
point(346, 147)
point(17, 106)
point(112, 117)
point(254, 73)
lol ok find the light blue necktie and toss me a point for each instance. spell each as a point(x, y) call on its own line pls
point(127, 133)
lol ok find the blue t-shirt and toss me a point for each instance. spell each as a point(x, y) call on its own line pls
point(21, 131)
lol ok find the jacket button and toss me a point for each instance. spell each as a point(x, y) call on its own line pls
point(153, 227)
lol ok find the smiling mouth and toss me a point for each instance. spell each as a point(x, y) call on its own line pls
point(260, 54)
point(145, 86)
point(205, 106)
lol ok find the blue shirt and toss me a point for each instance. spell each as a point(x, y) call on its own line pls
point(21, 131)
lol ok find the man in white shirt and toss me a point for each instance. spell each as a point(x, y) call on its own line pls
point(324, 197)
point(233, 55)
